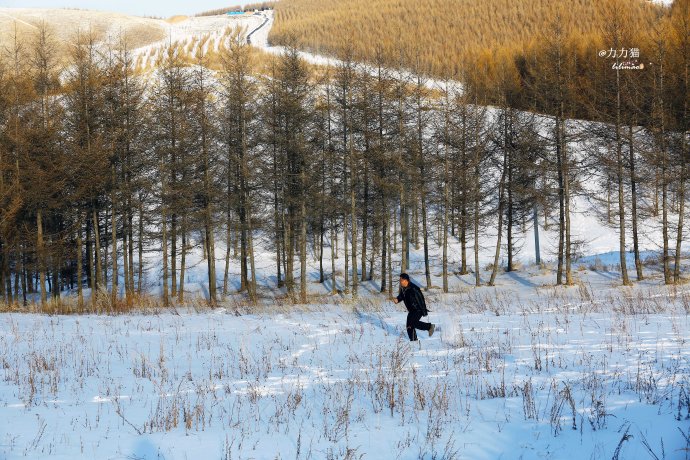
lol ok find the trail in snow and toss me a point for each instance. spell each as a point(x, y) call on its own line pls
point(18, 20)
point(260, 40)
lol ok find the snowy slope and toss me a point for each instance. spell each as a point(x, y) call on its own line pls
point(143, 34)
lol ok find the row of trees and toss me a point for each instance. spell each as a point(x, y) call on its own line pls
point(261, 6)
point(100, 168)
point(638, 152)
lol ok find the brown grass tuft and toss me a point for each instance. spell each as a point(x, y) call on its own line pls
point(176, 19)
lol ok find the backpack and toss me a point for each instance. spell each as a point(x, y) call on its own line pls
point(420, 303)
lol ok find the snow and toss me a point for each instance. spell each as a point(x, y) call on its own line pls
point(260, 40)
point(492, 382)
point(521, 370)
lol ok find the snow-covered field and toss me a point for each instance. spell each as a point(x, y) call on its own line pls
point(521, 370)
point(533, 373)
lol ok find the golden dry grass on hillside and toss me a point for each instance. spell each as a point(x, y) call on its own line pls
point(189, 51)
point(64, 24)
point(444, 34)
point(142, 35)
point(176, 19)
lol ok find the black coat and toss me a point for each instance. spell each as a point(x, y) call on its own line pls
point(413, 298)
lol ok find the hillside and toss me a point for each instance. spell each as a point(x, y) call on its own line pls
point(146, 36)
point(443, 33)
point(65, 23)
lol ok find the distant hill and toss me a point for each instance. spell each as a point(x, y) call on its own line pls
point(65, 23)
point(443, 33)
point(146, 37)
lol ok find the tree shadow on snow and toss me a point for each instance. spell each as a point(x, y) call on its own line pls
point(608, 275)
point(146, 450)
point(377, 321)
point(469, 281)
point(203, 288)
point(525, 282)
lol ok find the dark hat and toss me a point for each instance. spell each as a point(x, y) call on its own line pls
point(405, 276)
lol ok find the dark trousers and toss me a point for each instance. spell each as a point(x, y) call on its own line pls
point(414, 323)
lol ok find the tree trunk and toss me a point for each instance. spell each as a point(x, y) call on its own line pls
point(535, 218)
point(444, 230)
point(404, 231)
point(90, 274)
point(210, 244)
point(285, 244)
point(619, 178)
point(97, 253)
point(422, 185)
point(346, 249)
point(425, 238)
point(683, 152)
point(566, 204)
point(390, 266)
point(164, 243)
point(477, 192)
point(113, 220)
point(333, 252)
point(41, 256)
point(140, 247)
point(561, 201)
point(25, 276)
point(80, 291)
point(365, 220)
point(209, 237)
point(173, 253)
point(252, 264)
point(681, 218)
point(183, 260)
point(228, 245)
point(633, 191)
point(277, 219)
point(374, 249)
point(321, 243)
point(384, 243)
point(130, 227)
point(290, 253)
point(664, 219)
point(17, 274)
point(509, 233)
point(125, 256)
point(497, 253)
point(5, 276)
point(353, 216)
point(244, 275)
point(395, 231)
point(303, 245)
point(463, 196)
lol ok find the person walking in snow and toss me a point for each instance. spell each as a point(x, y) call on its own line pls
point(413, 298)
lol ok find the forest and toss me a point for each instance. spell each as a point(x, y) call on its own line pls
point(102, 165)
point(448, 37)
